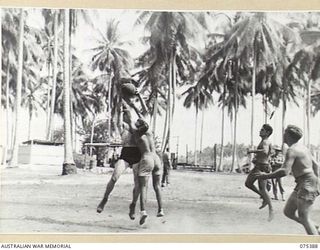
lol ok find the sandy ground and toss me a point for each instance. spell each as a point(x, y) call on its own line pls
point(39, 199)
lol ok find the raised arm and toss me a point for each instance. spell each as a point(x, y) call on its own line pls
point(145, 110)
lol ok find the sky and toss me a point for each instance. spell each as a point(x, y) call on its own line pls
point(183, 129)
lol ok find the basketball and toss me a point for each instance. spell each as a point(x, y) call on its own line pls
point(128, 89)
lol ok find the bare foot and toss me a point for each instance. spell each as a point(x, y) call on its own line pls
point(101, 206)
point(132, 211)
point(264, 204)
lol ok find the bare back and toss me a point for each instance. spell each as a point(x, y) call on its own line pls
point(145, 143)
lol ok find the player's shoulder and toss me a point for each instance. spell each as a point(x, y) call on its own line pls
point(295, 150)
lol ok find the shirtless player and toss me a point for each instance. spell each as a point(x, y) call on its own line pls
point(305, 170)
point(130, 154)
point(150, 164)
point(261, 162)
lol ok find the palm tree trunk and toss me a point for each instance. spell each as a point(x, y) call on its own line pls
point(68, 164)
point(3, 140)
point(109, 107)
point(30, 121)
point(308, 112)
point(169, 101)
point(9, 135)
point(54, 76)
point(201, 136)
point(155, 112)
point(174, 86)
point(195, 138)
point(48, 100)
point(265, 108)
point(234, 150)
point(231, 127)
point(164, 135)
point(74, 138)
point(283, 117)
point(14, 159)
point(304, 112)
point(92, 132)
point(253, 92)
point(220, 169)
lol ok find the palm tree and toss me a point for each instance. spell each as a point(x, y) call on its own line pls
point(201, 99)
point(114, 60)
point(170, 52)
point(9, 44)
point(84, 101)
point(55, 73)
point(32, 101)
point(14, 159)
point(306, 65)
point(68, 164)
point(260, 43)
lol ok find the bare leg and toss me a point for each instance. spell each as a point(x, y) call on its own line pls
point(291, 208)
point(250, 183)
point(157, 190)
point(304, 208)
point(143, 184)
point(281, 188)
point(163, 178)
point(119, 168)
point(275, 188)
point(266, 198)
point(135, 192)
point(168, 176)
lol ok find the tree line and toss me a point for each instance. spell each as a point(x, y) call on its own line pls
point(244, 54)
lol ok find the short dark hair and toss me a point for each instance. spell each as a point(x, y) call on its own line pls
point(267, 128)
point(294, 132)
point(142, 126)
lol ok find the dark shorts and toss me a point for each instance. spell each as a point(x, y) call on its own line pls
point(131, 155)
point(307, 187)
point(261, 167)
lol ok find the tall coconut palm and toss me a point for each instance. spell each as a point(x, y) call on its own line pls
point(54, 73)
point(306, 63)
point(68, 163)
point(84, 101)
point(14, 159)
point(200, 99)
point(111, 58)
point(169, 49)
point(9, 42)
point(32, 101)
point(260, 43)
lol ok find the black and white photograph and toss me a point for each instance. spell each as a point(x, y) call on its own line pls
point(124, 121)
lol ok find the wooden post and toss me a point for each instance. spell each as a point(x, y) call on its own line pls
point(215, 157)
